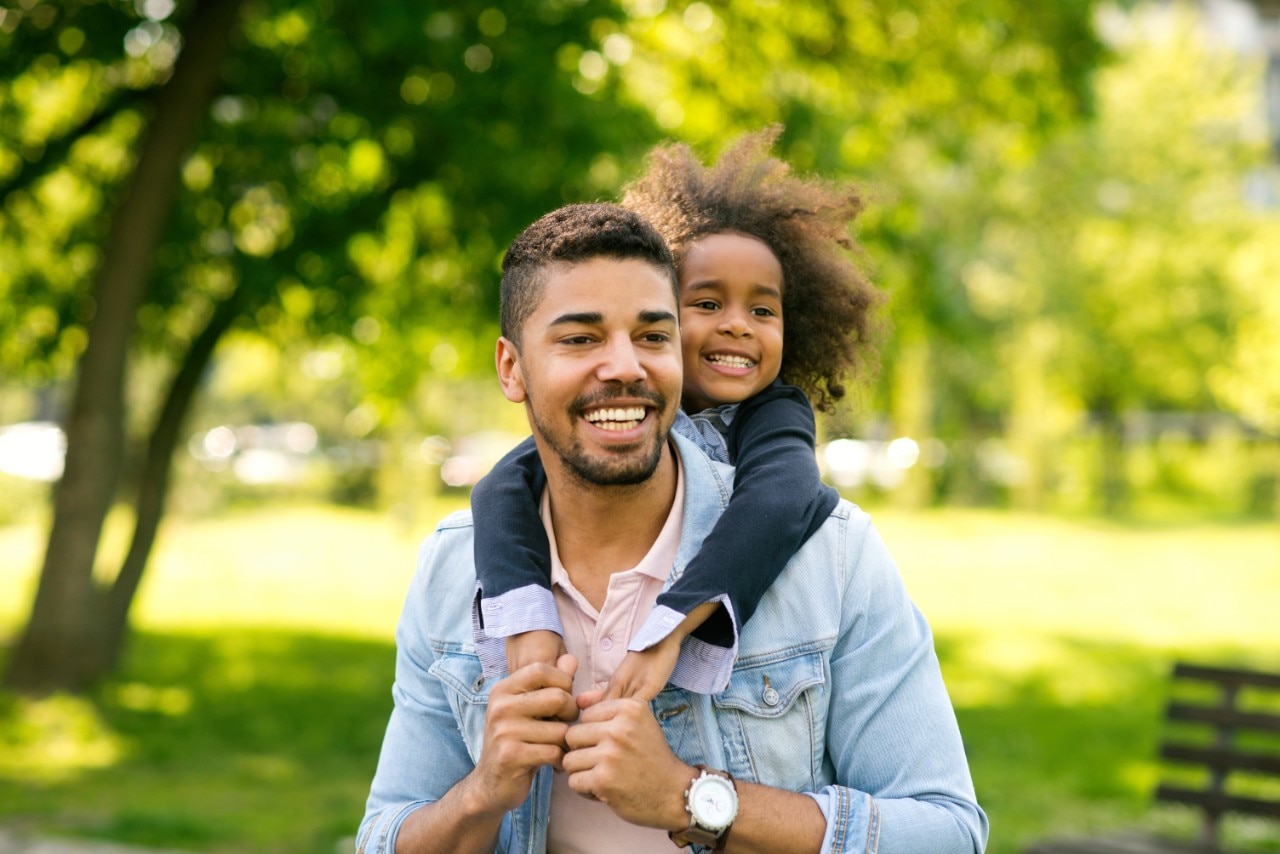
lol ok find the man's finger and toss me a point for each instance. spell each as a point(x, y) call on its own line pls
point(543, 704)
point(568, 664)
point(587, 699)
point(535, 676)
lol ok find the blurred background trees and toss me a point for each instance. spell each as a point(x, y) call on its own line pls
point(1075, 218)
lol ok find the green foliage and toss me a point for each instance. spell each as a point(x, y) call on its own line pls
point(362, 167)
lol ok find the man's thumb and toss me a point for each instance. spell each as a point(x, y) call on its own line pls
point(568, 664)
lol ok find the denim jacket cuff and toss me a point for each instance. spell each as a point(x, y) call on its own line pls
point(853, 821)
point(380, 834)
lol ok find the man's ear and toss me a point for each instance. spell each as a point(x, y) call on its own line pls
point(507, 359)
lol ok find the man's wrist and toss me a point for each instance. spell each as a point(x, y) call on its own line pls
point(476, 800)
point(677, 817)
point(711, 803)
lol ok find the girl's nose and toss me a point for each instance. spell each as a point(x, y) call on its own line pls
point(736, 326)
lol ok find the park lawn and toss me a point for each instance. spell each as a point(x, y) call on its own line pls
point(249, 710)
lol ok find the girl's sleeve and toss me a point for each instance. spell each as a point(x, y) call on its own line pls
point(778, 502)
point(512, 555)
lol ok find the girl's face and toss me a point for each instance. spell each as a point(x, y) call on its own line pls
point(730, 319)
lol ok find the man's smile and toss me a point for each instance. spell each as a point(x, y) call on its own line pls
point(616, 418)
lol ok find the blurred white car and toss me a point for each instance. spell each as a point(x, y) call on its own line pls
point(33, 449)
point(473, 455)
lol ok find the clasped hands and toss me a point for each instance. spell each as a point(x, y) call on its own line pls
point(611, 747)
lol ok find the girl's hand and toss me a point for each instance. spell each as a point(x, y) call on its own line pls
point(641, 675)
point(537, 647)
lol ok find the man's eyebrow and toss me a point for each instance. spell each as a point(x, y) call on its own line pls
point(656, 316)
point(587, 318)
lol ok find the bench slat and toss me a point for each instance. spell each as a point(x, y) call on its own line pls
point(1218, 803)
point(1222, 758)
point(1224, 717)
point(1226, 675)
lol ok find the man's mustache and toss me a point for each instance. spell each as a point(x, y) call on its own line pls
point(635, 391)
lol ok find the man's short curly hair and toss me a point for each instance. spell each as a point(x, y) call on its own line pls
point(569, 235)
point(827, 302)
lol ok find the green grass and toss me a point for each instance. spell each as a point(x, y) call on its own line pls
point(250, 708)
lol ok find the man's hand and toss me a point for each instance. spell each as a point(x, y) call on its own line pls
point(619, 756)
point(536, 647)
point(524, 729)
point(641, 675)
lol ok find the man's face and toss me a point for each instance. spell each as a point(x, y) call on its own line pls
point(598, 369)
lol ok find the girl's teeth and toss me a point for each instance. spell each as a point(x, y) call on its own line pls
point(731, 361)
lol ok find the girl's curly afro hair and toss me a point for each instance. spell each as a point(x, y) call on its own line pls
point(827, 302)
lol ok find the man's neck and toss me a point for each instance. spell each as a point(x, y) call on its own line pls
point(600, 530)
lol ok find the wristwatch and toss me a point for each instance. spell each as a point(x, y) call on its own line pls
point(712, 803)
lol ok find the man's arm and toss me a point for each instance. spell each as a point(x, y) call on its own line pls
point(428, 794)
point(524, 730)
point(902, 783)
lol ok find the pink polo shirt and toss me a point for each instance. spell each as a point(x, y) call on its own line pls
point(599, 641)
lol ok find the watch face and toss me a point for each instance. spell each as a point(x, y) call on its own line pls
point(713, 802)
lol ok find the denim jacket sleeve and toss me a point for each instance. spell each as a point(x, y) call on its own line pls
point(426, 748)
point(902, 779)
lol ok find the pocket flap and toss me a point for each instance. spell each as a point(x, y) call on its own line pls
point(463, 674)
point(768, 689)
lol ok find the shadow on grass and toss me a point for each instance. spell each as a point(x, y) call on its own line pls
point(264, 741)
point(241, 741)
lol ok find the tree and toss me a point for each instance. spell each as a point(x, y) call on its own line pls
point(933, 106)
point(362, 165)
point(1112, 283)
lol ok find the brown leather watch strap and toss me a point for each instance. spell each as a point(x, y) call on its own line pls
point(698, 835)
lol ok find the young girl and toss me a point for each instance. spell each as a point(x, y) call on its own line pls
point(753, 246)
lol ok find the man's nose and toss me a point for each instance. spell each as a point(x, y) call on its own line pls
point(621, 362)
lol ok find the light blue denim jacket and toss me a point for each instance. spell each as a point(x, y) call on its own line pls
point(836, 692)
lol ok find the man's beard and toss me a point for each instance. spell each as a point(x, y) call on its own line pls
point(622, 469)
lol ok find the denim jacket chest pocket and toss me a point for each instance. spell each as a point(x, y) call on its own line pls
point(468, 692)
point(772, 718)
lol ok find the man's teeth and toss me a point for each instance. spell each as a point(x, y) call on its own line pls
point(616, 419)
point(730, 361)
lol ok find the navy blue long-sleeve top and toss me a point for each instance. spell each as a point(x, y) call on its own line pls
point(778, 502)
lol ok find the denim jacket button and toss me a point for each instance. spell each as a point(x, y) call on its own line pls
point(770, 696)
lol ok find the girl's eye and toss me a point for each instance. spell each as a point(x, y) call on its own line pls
point(763, 312)
point(706, 305)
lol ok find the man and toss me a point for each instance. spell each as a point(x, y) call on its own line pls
point(835, 733)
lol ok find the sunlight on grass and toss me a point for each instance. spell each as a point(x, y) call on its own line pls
point(54, 739)
point(983, 573)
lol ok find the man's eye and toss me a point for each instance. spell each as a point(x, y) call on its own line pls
point(576, 339)
point(657, 337)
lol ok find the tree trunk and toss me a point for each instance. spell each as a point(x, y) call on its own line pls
point(1113, 482)
point(913, 416)
point(55, 650)
point(153, 486)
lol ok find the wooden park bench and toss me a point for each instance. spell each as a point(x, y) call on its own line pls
point(1242, 747)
